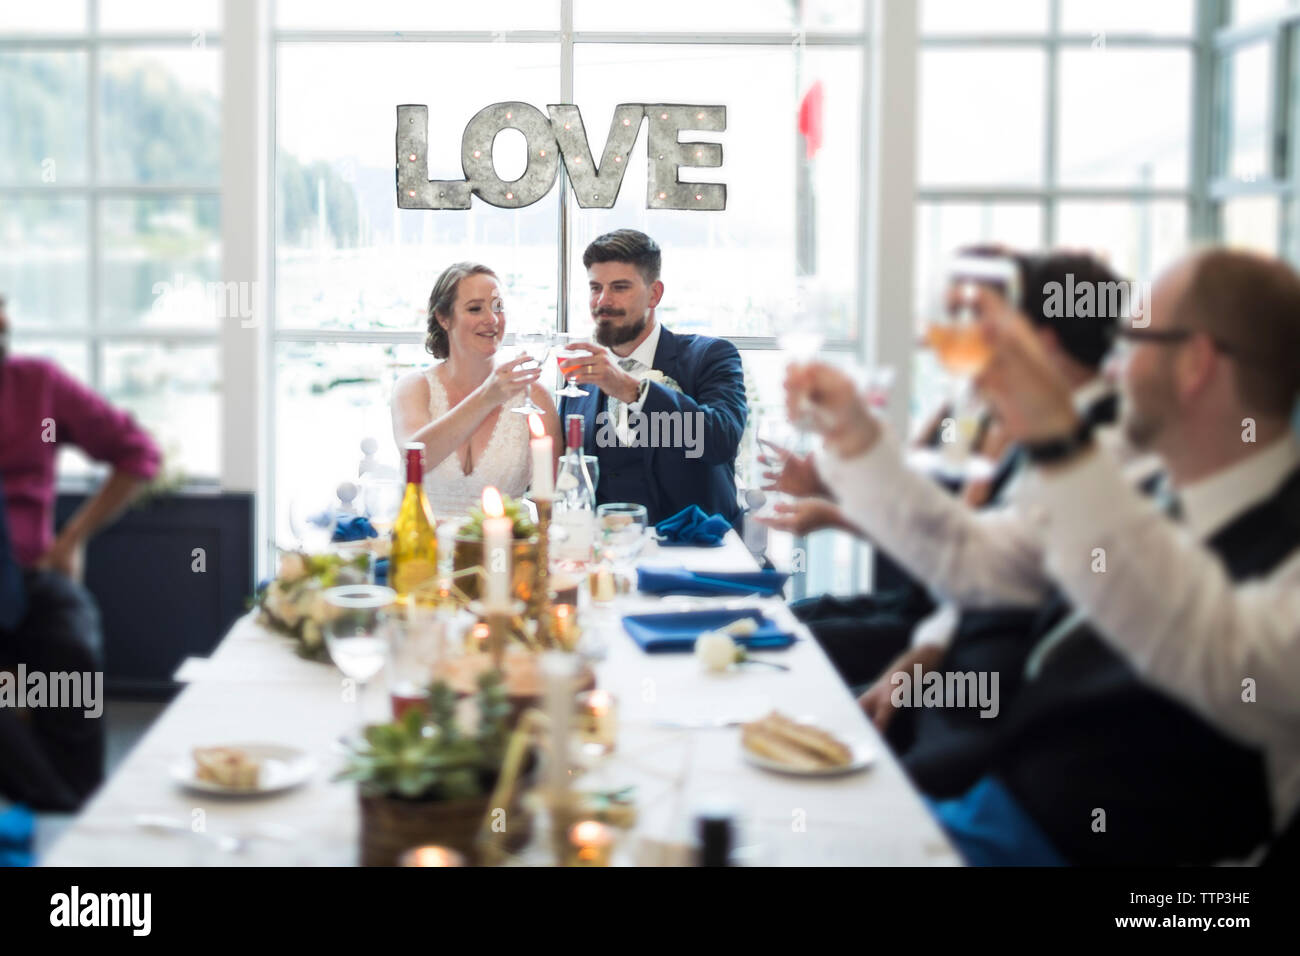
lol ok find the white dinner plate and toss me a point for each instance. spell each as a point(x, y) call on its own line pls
point(864, 754)
point(282, 769)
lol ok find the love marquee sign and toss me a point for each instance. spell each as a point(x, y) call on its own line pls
point(558, 135)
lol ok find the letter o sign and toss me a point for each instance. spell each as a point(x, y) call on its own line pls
point(543, 154)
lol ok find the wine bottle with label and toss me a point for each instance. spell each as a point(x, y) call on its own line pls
point(574, 514)
point(413, 564)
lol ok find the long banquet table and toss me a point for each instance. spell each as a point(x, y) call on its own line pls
point(254, 688)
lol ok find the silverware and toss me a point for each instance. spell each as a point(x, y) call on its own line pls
point(225, 842)
point(714, 723)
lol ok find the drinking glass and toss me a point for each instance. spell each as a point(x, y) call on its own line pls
point(313, 516)
point(536, 345)
point(621, 529)
point(571, 388)
point(416, 647)
point(593, 467)
point(356, 634)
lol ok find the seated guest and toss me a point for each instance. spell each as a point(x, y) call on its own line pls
point(863, 634)
point(1136, 723)
point(48, 621)
point(666, 412)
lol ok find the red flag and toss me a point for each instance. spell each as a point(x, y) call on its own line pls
point(810, 119)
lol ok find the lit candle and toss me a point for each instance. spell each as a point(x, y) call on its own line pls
point(543, 460)
point(432, 856)
point(498, 532)
point(598, 721)
point(564, 625)
point(591, 842)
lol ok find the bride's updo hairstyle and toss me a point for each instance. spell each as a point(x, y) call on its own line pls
point(443, 300)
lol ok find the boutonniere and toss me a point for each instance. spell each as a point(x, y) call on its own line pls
point(654, 375)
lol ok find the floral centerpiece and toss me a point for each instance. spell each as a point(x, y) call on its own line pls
point(293, 602)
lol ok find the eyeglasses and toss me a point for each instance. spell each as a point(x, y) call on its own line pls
point(1132, 337)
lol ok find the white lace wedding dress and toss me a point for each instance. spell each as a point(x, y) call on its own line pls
point(505, 464)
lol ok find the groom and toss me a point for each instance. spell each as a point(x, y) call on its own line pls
point(664, 413)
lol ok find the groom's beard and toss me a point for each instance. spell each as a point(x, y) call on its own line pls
point(610, 335)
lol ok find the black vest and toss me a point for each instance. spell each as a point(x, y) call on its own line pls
point(1088, 734)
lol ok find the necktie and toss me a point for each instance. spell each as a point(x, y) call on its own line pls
point(618, 411)
point(1075, 621)
point(13, 598)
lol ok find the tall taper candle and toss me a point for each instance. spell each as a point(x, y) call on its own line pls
point(543, 460)
point(498, 532)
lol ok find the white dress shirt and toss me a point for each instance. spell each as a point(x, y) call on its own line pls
point(644, 354)
point(1164, 601)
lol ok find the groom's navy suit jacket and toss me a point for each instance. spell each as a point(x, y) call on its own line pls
point(667, 479)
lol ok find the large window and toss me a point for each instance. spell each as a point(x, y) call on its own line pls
point(110, 145)
point(1255, 85)
point(353, 273)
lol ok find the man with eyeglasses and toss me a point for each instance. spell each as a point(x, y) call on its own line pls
point(1159, 718)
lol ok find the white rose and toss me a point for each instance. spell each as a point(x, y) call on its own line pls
point(715, 651)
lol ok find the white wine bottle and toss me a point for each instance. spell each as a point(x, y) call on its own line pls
point(413, 563)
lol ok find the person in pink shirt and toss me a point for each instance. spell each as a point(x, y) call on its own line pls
point(53, 757)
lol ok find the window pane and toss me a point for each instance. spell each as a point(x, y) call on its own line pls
point(1138, 239)
point(1098, 17)
point(43, 252)
point(1004, 16)
point(1252, 223)
point(328, 397)
point(173, 390)
point(942, 229)
point(161, 115)
point(346, 256)
point(1252, 11)
point(162, 263)
point(48, 16)
point(745, 270)
point(688, 16)
point(1247, 92)
point(982, 117)
point(43, 117)
point(417, 15)
point(1125, 117)
point(192, 17)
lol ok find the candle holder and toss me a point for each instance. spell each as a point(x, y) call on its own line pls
point(597, 712)
point(495, 627)
point(431, 856)
point(590, 844)
point(540, 600)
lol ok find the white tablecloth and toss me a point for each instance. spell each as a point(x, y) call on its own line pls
point(255, 689)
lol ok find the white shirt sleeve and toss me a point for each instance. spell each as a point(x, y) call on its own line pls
point(1229, 651)
point(987, 559)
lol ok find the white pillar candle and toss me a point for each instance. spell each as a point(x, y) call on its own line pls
point(543, 460)
point(498, 533)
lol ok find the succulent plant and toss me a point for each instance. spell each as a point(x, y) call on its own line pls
point(427, 755)
point(514, 509)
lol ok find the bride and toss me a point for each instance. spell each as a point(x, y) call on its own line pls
point(460, 407)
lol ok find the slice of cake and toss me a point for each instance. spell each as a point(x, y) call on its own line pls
point(227, 767)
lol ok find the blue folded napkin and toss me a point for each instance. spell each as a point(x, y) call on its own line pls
point(16, 828)
point(381, 572)
point(677, 631)
point(353, 528)
point(691, 526)
point(650, 580)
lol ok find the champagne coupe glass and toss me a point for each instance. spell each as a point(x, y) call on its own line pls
point(536, 344)
point(571, 388)
point(356, 634)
